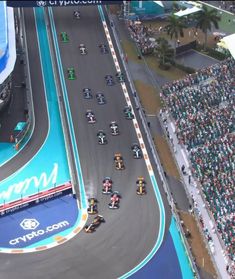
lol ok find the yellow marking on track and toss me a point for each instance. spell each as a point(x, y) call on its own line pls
point(58, 237)
point(62, 240)
point(84, 217)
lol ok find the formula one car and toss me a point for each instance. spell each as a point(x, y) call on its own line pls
point(128, 113)
point(119, 165)
point(90, 116)
point(71, 73)
point(137, 153)
point(114, 128)
point(109, 80)
point(103, 49)
point(76, 14)
point(102, 137)
point(100, 98)
point(120, 77)
point(64, 37)
point(141, 189)
point(92, 208)
point(107, 185)
point(82, 49)
point(87, 93)
point(94, 224)
point(115, 200)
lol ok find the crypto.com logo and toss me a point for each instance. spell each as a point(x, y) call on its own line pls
point(41, 3)
point(29, 224)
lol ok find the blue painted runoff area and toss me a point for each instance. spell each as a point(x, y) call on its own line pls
point(7, 151)
point(49, 167)
point(181, 252)
point(39, 225)
point(170, 261)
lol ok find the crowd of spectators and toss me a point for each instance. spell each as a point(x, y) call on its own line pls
point(141, 34)
point(203, 108)
point(5, 92)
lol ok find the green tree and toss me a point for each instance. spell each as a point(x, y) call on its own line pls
point(205, 19)
point(175, 28)
point(163, 51)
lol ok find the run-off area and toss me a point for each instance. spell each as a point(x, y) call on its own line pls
point(42, 223)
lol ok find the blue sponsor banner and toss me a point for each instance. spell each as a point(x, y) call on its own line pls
point(59, 3)
point(24, 228)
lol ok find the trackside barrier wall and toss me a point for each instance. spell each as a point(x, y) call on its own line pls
point(28, 131)
point(153, 149)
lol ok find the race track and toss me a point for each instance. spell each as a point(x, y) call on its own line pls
point(40, 110)
point(129, 233)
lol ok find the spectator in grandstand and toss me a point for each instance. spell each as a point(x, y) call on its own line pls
point(202, 106)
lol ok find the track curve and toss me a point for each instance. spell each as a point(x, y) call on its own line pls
point(130, 232)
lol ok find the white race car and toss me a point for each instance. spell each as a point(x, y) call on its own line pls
point(90, 117)
point(114, 128)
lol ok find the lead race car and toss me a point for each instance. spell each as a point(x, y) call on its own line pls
point(107, 185)
point(119, 164)
point(115, 200)
point(82, 49)
point(94, 224)
point(141, 189)
point(90, 116)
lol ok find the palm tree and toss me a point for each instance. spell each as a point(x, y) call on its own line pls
point(205, 19)
point(163, 51)
point(175, 28)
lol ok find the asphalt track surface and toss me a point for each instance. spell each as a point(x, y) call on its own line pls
point(129, 233)
point(40, 110)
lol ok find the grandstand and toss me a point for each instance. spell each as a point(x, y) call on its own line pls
point(7, 52)
point(202, 107)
